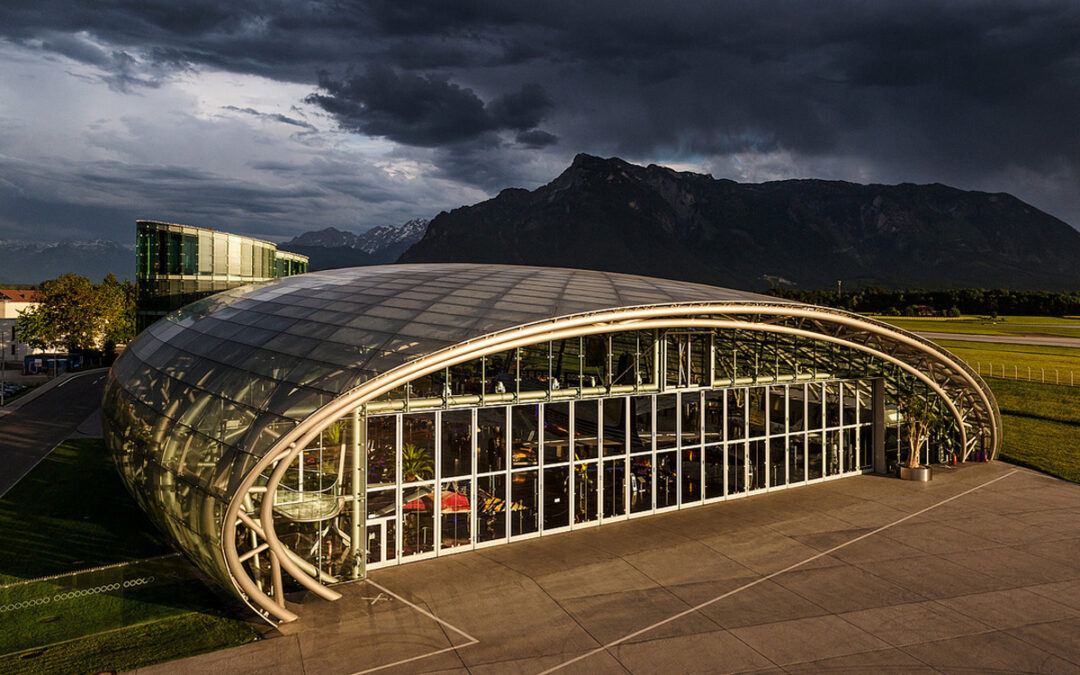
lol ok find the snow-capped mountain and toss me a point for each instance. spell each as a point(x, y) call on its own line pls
point(331, 247)
point(31, 262)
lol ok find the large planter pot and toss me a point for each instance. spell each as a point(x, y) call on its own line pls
point(922, 474)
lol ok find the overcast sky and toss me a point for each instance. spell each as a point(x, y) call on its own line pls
point(273, 118)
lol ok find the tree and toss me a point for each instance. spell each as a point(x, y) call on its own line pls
point(76, 315)
point(921, 420)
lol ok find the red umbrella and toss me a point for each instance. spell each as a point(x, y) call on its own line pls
point(421, 503)
point(454, 502)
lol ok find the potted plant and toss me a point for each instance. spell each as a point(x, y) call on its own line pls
point(920, 419)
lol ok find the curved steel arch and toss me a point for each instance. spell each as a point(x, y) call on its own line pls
point(948, 377)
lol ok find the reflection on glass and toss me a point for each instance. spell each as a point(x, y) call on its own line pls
point(736, 413)
point(455, 500)
point(714, 471)
point(614, 488)
point(640, 483)
point(796, 407)
point(524, 511)
point(850, 409)
point(586, 492)
point(777, 461)
point(641, 415)
point(757, 465)
point(381, 518)
point(586, 429)
point(381, 438)
point(691, 419)
point(756, 411)
point(556, 433)
point(815, 455)
point(456, 443)
point(417, 447)
point(691, 475)
point(614, 426)
point(714, 416)
point(849, 451)
point(556, 497)
point(796, 458)
point(777, 409)
point(417, 519)
point(813, 406)
point(667, 414)
point(866, 447)
point(832, 404)
point(667, 479)
point(736, 468)
point(865, 389)
point(524, 434)
point(490, 439)
point(491, 507)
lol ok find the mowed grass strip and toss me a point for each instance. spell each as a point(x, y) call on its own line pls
point(134, 647)
point(980, 325)
point(1041, 426)
point(1018, 358)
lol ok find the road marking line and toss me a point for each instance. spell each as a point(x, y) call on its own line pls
point(471, 640)
point(751, 584)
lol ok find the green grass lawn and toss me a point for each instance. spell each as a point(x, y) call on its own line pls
point(1005, 325)
point(70, 514)
point(1022, 357)
point(1042, 426)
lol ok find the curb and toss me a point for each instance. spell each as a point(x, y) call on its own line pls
point(48, 386)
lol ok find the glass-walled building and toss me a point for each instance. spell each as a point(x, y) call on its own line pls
point(178, 264)
point(299, 433)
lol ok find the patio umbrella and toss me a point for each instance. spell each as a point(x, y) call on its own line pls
point(455, 503)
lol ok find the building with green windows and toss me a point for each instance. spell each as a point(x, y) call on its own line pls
point(300, 433)
point(178, 264)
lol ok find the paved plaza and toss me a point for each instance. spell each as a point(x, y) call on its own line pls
point(977, 571)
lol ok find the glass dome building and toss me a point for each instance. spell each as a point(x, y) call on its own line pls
point(297, 433)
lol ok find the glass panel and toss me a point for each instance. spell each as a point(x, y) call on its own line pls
point(456, 443)
point(524, 435)
point(614, 488)
point(534, 368)
point(586, 492)
point(381, 439)
point(595, 365)
point(641, 413)
point(714, 471)
point(490, 439)
point(614, 426)
point(777, 460)
point(466, 378)
point(849, 411)
point(667, 479)
point(417, 447)
point(849, 448)
point(832, 453)
point(864, 402)
point(417, 519)
point(501, 372)
point(491, 507)
point(381, 520)
point(525, 512)
point(565, 363)
point(556, 433)
point(640, 483)
point(866, 446)
point(586, 429)
point(757, 465)
point(647, 358)
point(736, 469)
point(691, 419)
point(624, 348)
point(756, 411)
point(667, 414)
point(814, 453)
point(813, 406)
point(736, 413)
point(832, 404)
point(455, 501)
point(714, 416)
point(796, 407)
point(691, 475)
point(556, 497)
point(796, 458)
point(777, 410)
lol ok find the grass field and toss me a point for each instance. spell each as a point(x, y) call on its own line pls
point(1042, 426)
point(70, 514)
point(1018, 358)
point(1005, 325)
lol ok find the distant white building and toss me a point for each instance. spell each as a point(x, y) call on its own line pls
point(13, 301)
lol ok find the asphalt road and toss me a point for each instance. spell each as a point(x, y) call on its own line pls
point(1043, 340)
point(29, 434)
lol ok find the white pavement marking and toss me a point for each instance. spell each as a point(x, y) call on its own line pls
point(471, 640)
point(812, 558)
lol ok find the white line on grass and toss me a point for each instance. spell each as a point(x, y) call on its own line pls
point(812, 558)
point(471, 640)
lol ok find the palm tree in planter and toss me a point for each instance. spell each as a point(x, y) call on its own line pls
point(416, 463)
point(921, 420)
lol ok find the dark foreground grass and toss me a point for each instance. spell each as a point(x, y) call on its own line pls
point(134, 647)
point(1042, 426)
point(70, 514)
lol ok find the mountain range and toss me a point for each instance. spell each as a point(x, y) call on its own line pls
point(331, 248)
point(611, 215)
point(31, 262)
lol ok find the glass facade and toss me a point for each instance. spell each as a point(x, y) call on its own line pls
point(178, 264)
point(558, 431)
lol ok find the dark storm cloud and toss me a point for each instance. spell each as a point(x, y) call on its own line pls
point(968, 93)
point(424, 111)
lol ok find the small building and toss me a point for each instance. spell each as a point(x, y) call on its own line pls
point(178, 264)
point(296, 434)
point(12, 302)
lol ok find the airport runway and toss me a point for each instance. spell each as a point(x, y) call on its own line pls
point(1042, 340)
point(29, 434)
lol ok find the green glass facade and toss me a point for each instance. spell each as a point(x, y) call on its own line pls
point(179, 264)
